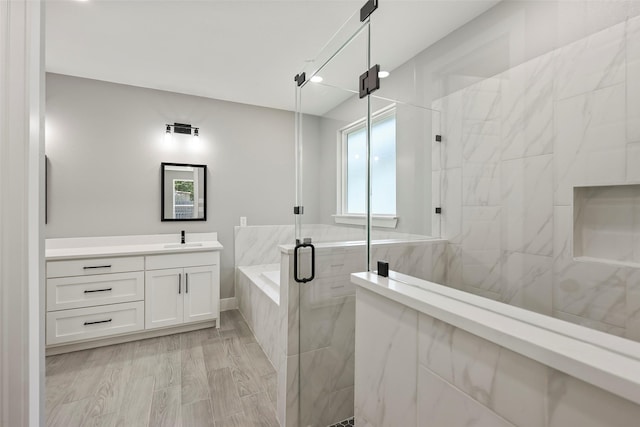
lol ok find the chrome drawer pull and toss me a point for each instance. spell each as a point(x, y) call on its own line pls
point(98, 321)
point(96, 266)
point(98, 290)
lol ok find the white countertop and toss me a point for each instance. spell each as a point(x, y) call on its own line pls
point(93, 247)
point(606, 361)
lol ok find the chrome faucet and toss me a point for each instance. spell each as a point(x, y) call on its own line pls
point(182, 239)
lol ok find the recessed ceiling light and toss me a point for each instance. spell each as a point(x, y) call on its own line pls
point(383, 74)
point(316, 79)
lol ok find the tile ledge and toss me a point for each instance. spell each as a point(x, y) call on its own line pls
point(607, 261)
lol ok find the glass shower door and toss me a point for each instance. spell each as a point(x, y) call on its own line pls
point(330, 223)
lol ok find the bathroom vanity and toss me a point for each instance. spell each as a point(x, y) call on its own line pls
point(106, 290)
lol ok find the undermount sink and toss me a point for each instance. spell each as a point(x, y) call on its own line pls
point(183, 245)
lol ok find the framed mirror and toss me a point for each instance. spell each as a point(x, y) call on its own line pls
point(184, 192)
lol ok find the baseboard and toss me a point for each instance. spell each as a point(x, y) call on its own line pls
point(227, 304)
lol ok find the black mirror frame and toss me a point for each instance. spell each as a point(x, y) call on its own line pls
point(204, 190)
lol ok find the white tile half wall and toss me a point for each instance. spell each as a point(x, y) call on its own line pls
point(413, 369)
point(514, 148)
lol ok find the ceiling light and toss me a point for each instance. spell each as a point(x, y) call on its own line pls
point(316, 79)
point(383, 74)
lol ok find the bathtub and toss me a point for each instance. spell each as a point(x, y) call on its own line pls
point(258, 295)
point(265, 277)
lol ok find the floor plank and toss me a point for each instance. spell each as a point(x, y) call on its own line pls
point(244, 374)
point(236, 420)
point(225, 400)
point(259, 410)
point(71, 414)
point(136, 405)
point(168, 371)
point(194, 376)
point(197, 414)
point(166, 409)
point(110, 391)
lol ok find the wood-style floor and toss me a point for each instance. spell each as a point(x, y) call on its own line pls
point(203, 378)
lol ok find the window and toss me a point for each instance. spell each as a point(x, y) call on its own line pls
point(182, 198)
point(353, 174)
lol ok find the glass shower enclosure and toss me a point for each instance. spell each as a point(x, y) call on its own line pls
point(365, 192)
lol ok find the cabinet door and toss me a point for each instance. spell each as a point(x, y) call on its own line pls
point(202, 293)
point(163, 298)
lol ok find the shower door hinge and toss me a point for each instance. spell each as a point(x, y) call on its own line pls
point(370, 81)
point(368, 8)
point(438, 210)
point(298, 210)
point(438, 138)
point(300, 78)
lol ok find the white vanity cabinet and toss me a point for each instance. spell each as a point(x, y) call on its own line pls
point(92, 298)
point(182, 288)
point(113, 289)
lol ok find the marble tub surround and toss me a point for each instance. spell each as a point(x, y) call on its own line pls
point(515, 146)
point(318, 323)
point(431, 355)
point(259, 304)
point(73, 247)
point(257, 245)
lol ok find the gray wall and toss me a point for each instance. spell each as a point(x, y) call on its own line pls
point(105, 143)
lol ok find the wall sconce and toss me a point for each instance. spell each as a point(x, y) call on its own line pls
point(184, 128)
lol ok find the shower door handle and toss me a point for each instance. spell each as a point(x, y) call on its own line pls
point(295, 262)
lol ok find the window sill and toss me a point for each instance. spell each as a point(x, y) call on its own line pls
point(382, 221)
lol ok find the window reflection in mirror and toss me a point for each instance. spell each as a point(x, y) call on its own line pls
point(184, 192)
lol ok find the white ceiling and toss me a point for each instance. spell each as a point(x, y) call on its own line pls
point(242, 51)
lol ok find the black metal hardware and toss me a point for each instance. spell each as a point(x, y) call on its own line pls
point(182, 128)
point(300, 78)
point(179, 283)
point(98, 321)
point(98, 290)
point(295, 262)
point(370, 81)
point(96, 266)
point(368, 9)
point(298, 210)
point(438, 138)
point(438, 210)
point(182, 237)
point(383, 268)
point(186, 283)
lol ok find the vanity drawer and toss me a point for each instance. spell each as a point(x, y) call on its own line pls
point(90, 266)
point(189, 259)
point(94, 322)
point(76, 292)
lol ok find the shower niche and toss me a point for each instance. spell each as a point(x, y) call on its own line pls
point(606, 224)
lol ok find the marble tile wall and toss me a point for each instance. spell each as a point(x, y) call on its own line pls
point(514, 147)
point(256, 245)
point(262, 314)
point(416, 370)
